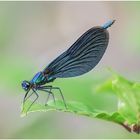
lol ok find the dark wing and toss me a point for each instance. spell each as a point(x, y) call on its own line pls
point(82, 56)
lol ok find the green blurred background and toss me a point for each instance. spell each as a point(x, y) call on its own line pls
point(32, 34)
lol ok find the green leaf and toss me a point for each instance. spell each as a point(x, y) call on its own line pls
point(128, 94)
point(126, 114)
point(105, 87)
point(73, 107)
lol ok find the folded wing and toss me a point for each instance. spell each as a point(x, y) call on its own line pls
point(82, 56)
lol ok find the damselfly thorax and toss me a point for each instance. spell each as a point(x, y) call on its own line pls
point(38, 80)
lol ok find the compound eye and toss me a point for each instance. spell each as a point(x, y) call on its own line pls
point(25, 85)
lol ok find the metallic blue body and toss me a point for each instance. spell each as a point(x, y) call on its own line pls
point(79, 59)
point(39, 78)
point(108, 24)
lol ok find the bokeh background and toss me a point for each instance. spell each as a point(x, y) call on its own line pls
point(32, 34)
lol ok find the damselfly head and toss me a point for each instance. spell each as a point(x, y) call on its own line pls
point(26, 85)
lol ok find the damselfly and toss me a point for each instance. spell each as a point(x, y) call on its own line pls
point(80, 58)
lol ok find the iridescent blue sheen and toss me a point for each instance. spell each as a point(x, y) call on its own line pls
point(108, 24)
point(38, 78)
point(25, 85)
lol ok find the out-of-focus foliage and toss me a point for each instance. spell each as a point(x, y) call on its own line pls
point(128, 96)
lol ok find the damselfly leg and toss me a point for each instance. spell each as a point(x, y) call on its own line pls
point(34, 99)
point(50, 93)
point(61, 95)
point(54, 88)
point(26, 97)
